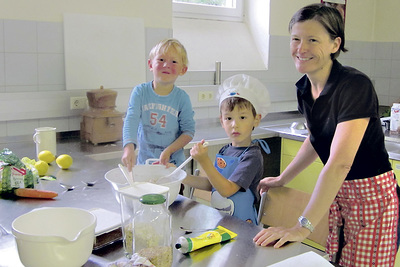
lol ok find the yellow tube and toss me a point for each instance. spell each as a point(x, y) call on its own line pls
point(217, 235)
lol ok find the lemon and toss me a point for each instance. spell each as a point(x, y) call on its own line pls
point(42, 167)
point(64, 161)
point(46, 156)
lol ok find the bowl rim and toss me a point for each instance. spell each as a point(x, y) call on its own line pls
point(23, 235)
point(156, 166)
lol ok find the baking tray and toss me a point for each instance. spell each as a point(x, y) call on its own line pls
point(108, 229)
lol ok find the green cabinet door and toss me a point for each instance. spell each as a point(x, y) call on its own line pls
point(307, 179)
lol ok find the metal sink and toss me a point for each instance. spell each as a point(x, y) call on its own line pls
point(393, 148)
point(287, 129)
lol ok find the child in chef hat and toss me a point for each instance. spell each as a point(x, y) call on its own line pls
point(159, 119)
point(238, 167)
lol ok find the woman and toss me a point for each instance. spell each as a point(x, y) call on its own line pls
point(357, 183)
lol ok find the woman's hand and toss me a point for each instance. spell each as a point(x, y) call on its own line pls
point(129, 156)
point(280, 236)
point(269, 182)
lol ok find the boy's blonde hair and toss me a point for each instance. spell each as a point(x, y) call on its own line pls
point(165, 44)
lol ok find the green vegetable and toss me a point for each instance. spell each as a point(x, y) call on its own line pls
point(10, 158)
point(29, 179)
point(14, 174)
point(6, 179)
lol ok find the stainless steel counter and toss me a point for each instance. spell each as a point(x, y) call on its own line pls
point(392, 141)
point(212, 131)
point(185, 212)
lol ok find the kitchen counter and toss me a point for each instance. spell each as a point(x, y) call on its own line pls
point(185, 212)
point(392, 141)
point(213, 132)
point(277, 125)
point(90, 165)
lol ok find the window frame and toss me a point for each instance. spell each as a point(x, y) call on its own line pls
point(188, 10)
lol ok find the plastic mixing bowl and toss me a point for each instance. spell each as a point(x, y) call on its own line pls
point(59, 236)
point(147, 173)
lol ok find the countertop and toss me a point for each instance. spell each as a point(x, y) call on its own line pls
point(278, 125)
point(185, 212)
point(211, 130)
point(92, 162)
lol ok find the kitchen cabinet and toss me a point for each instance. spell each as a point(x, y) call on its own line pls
point(307, 179)
point(396, 169)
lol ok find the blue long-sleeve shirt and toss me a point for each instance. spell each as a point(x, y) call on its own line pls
point(153, 121)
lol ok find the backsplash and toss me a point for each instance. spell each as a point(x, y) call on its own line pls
point(33, 91)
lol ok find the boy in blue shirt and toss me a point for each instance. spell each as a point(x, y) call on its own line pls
point(159, 118)
point(238, 167)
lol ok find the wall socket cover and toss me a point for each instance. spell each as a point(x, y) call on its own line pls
point(206, 95)
point(78, 102)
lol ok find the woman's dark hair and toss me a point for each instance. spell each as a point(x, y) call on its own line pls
point(329, 17)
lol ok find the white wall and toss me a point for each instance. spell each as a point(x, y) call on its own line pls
point(366, 20)
point(53, 10)
point(32, 78)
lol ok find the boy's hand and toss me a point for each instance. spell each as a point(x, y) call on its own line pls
point(164, 157)
point(129, 156)
point(199, 152)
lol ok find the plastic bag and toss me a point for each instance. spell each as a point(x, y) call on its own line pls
point(14, 174)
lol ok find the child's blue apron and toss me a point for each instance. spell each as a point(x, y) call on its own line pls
point(240, 204)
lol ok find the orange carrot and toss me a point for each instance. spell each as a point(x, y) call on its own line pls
point(34, 193)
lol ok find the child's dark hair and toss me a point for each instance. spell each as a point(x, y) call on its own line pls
point(231, 102)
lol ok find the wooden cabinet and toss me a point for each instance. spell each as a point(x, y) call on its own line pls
point(307, 179)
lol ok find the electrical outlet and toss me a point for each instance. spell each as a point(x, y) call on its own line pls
point(78, 102)
point(206, 95)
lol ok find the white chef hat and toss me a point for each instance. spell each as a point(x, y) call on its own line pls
point(249, 88)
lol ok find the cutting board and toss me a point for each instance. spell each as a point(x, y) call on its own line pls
point(103, 50)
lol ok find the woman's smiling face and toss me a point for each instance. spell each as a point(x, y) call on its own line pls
point(311, 47)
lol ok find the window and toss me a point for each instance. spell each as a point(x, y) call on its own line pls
point(231, 10)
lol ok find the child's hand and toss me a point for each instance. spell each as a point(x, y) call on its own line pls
point(129, 156)
point(169, 165)
point(199, 152)
point(164, 157)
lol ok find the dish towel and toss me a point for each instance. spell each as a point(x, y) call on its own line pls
point(135, 261)
point(308, 259)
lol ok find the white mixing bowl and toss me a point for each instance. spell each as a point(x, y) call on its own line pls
point(59, 236)
point(146, 173)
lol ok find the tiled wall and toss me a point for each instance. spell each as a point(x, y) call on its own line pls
point(32, 76)
point(32, 56)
